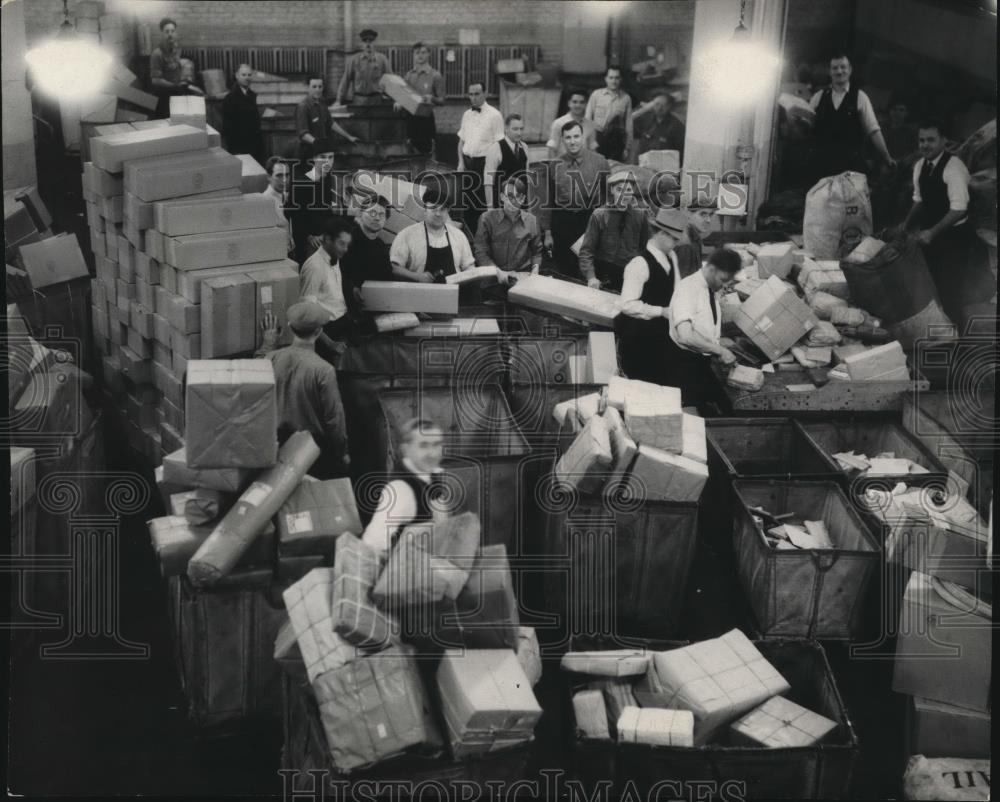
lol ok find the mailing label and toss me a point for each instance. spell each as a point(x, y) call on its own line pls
point(299, 522)
point(265, 294)
point(382, 732)
point(256, 493)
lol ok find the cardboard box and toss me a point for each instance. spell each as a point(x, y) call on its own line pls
point(155, 246)
point(231, 414)
point(113, 209)
point(453, 327)
point(101, 183)
point(602, 357)
point(53, 260)
point(661, 160)
point(135, 368)
point(146, 268)
point(145, 294)
point(123, 90)
point(775, 259)
point(277, 288)
point(141, 319)
point(188, 110)
point(587, 463)
point(126, 267)
point(565, 298)
point(396, 88)
point(310, 615)
point(161, 356)
point(774, 318)
point(781, 724)
point(941, 730)
point(112, 151)
point(718, 680)
point(610, 663)
point(619, 388)
point(139, 344)
point(185, 345)
point(228, 323)
point(873, 363)
point(253, 177)
point(938, 621)
point(623, 447)
point(694, 444)
point(178, 176)
point(142, 213)
point(180, 312)
point(656, 419)
point(373, 708)
point(823, 277)
point(486, 699)
point(219, 214)
point(406, 296)
point(484, 616)
point(197, 251)
point(168, 278)
point(171, 387)
point(529, 654)
point(656, 727)
point(355, 617)
point(175, 541)
point(161, 329)
point(950, 778)
point(200, 507)
point(509, 65)
point(658, 475)
point(315, 515)
point(590, 715)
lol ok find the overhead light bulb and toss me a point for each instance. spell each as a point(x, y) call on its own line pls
point(68, 67)
point(737, 71)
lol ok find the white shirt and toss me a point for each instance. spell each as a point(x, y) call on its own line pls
point(635, 277)
point(955, 177)
point(555, 133)
point(494, 157)
point(409, 248)
point(868, 120)
point(397, 506)
point(479, 130)
point(691, 303)
point(320, 281)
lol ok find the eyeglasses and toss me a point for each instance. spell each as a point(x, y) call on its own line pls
point(377, 212)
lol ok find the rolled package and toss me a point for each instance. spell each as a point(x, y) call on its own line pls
point(233, 535)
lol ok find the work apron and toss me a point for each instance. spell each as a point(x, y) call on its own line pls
point(440, 261)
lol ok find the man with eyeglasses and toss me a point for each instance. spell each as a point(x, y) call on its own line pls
point(367, 259)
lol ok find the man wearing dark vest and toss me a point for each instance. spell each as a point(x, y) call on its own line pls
point(955, 257)
point(415, 490)
point(642, 326)
point(845, 121)
point(505, 159)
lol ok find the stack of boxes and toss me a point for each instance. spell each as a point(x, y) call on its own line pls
point(166, 212)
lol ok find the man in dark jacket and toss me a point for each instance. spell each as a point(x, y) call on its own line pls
point(240, 118)
point(368, 256)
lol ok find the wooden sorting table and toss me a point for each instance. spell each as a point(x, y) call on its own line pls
point(835, 396)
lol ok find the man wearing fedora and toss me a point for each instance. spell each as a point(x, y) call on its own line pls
point(615, 233)
point(364, 70)
point(642, 326)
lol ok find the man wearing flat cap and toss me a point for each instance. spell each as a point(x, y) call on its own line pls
point(364, 70)
point(700, 208)
point(615, 234)
point(642, 326)
point(307, 392)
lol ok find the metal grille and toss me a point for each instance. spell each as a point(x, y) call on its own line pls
point(472, 62)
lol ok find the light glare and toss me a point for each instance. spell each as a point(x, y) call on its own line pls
point(68, 69)
point(736, 73)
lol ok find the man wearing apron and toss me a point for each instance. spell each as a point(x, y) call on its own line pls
point(430, 251)
point(642, 326)
point(955, 257)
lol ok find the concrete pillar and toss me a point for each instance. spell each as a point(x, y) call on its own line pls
point(18, 129)
point(717, 127)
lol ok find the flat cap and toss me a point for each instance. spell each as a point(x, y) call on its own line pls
point(307, 316)
point(621, 176)
point(673, 221)
point(368, 34)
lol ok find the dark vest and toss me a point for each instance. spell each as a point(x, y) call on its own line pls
point(422, 491)
point(839, 133)
point(934, 203)
point(657, 291)
point(510, 164)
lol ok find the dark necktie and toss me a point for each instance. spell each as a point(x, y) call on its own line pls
point(927, 169)
point(477, 110)
point(715, 311)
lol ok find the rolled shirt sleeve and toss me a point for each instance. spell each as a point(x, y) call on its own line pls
point(956, 178)
point(635, 277)
point(868, 120)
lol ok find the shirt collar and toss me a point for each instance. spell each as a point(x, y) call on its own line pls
point(422, 68)
point(934, 162)
point(423, 477)
point(844, 91)
point(511, 145)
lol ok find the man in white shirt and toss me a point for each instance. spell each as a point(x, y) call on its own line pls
point(482, 126)
point(940, 214)
point(279, 180)
point(845, 121)
point(321, 280)
point(577, 105)
point(415, 491)
point(696, 328)
point(642, 326)
point(434, 249)
point(610, 109)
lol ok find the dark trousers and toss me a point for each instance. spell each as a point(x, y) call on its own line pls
point(610, 274)
point(958, 264)
point(421, 131)
point(475, 199)
point(568, 225)
point(697, 381)
point(611, 143)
